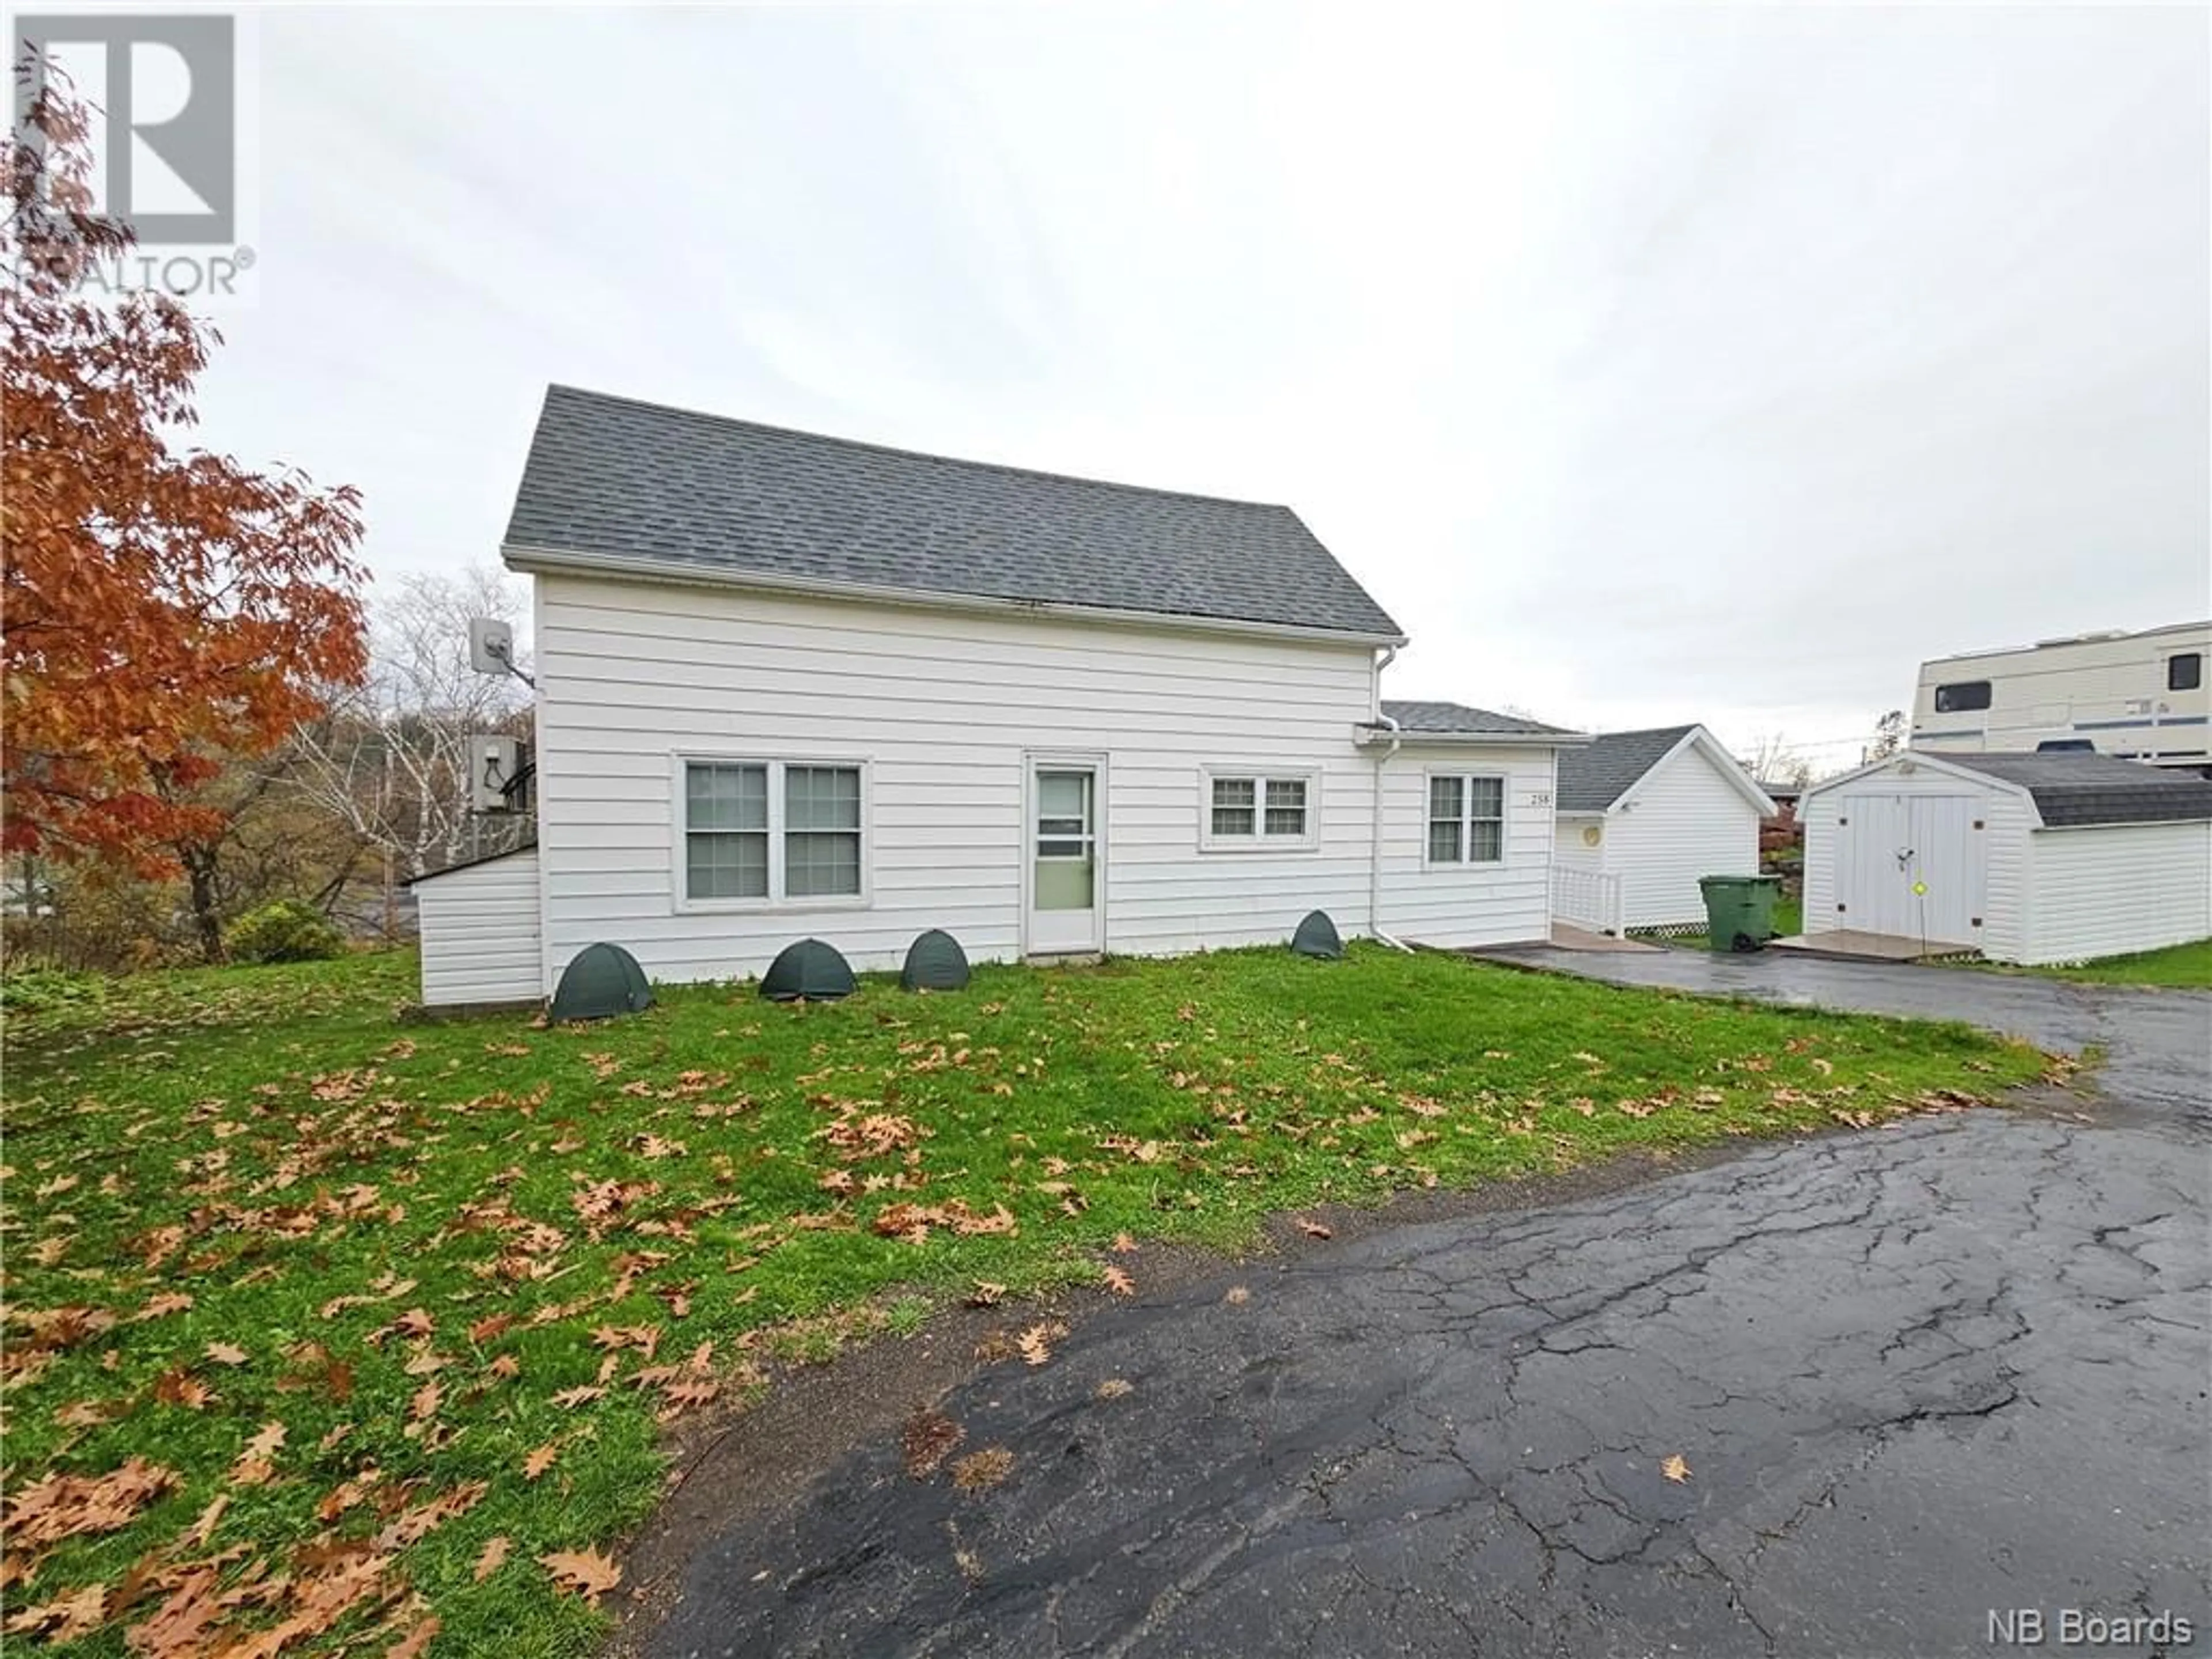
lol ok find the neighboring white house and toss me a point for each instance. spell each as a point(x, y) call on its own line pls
point(789, 686)
point(1642, 816)
point(2033, 859)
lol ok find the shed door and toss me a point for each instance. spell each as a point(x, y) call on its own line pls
point(1914, 866)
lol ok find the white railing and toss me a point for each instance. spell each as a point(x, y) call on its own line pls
point(1585, 898)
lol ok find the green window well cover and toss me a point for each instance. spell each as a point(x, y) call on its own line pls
point(603, 981)
point(935, 962)
point(810, 970)
point(1317, 937)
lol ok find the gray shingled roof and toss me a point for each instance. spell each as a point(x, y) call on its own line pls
point(1457, 720)
point(1600, 772)
point(626, 481)
point(2072, 789)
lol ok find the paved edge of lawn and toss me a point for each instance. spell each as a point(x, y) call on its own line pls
point(752, 1457)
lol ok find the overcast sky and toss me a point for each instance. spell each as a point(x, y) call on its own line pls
point(1648, 365)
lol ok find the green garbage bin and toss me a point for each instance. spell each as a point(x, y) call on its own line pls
point(1739, 910)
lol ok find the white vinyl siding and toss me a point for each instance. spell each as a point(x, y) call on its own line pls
point(480, 933)
point(940, 707)
point(1454, 904)
point(1570, 850)
point(2109, 890)
point(1681, 820)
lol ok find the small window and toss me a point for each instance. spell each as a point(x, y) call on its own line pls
point(1249, 810)
point(1962, 697)
point(1466, 820)
point(2184, 671)
point(724, 831)
point(1235, 806)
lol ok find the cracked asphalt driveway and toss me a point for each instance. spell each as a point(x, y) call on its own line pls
point(1916, 1375)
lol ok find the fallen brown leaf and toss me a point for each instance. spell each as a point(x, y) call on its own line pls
point(928, 1439)
point(415, 1642)
point(980, 1471)
point(1675, 1468)
point(494, 1557)
point(583, 1573)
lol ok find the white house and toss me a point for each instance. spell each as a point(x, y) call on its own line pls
point(791, 685)
point(2031, 858)
point(1642, 816)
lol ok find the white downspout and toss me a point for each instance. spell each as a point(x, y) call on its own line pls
point(1375, 826)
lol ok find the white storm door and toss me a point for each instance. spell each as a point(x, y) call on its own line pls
point(1066, 908)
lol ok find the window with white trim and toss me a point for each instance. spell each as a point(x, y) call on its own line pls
point(725, 830)
point(1466, 818)
point(1246, 810)
point(771, 830)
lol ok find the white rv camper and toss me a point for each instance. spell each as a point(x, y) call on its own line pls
point(2138, 697)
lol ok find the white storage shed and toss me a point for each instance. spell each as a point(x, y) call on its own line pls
point(2032, 858)
point(1642, 816)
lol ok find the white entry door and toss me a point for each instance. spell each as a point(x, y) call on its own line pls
point(1913, 866)
point(1066, 907)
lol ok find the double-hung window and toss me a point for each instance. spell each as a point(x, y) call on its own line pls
point(725, 830)
point(821, 831)
point(1466, 819)
point(1258, 809)
point(771, 831)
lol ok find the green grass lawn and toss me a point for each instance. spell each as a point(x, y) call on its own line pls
point(320, 1323)
point(2185, 965)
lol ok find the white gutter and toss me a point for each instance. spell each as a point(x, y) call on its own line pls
point(561, 561)
point(1472, 739)
point(1374, 823)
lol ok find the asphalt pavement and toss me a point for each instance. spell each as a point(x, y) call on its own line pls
point(1920, 1380)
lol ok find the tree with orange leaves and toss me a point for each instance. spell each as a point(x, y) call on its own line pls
point(166, 613)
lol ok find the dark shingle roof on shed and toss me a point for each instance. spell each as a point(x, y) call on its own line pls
point(2074, 789)
point(634, 483)
point(1594, 776)
point(1458, 719)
